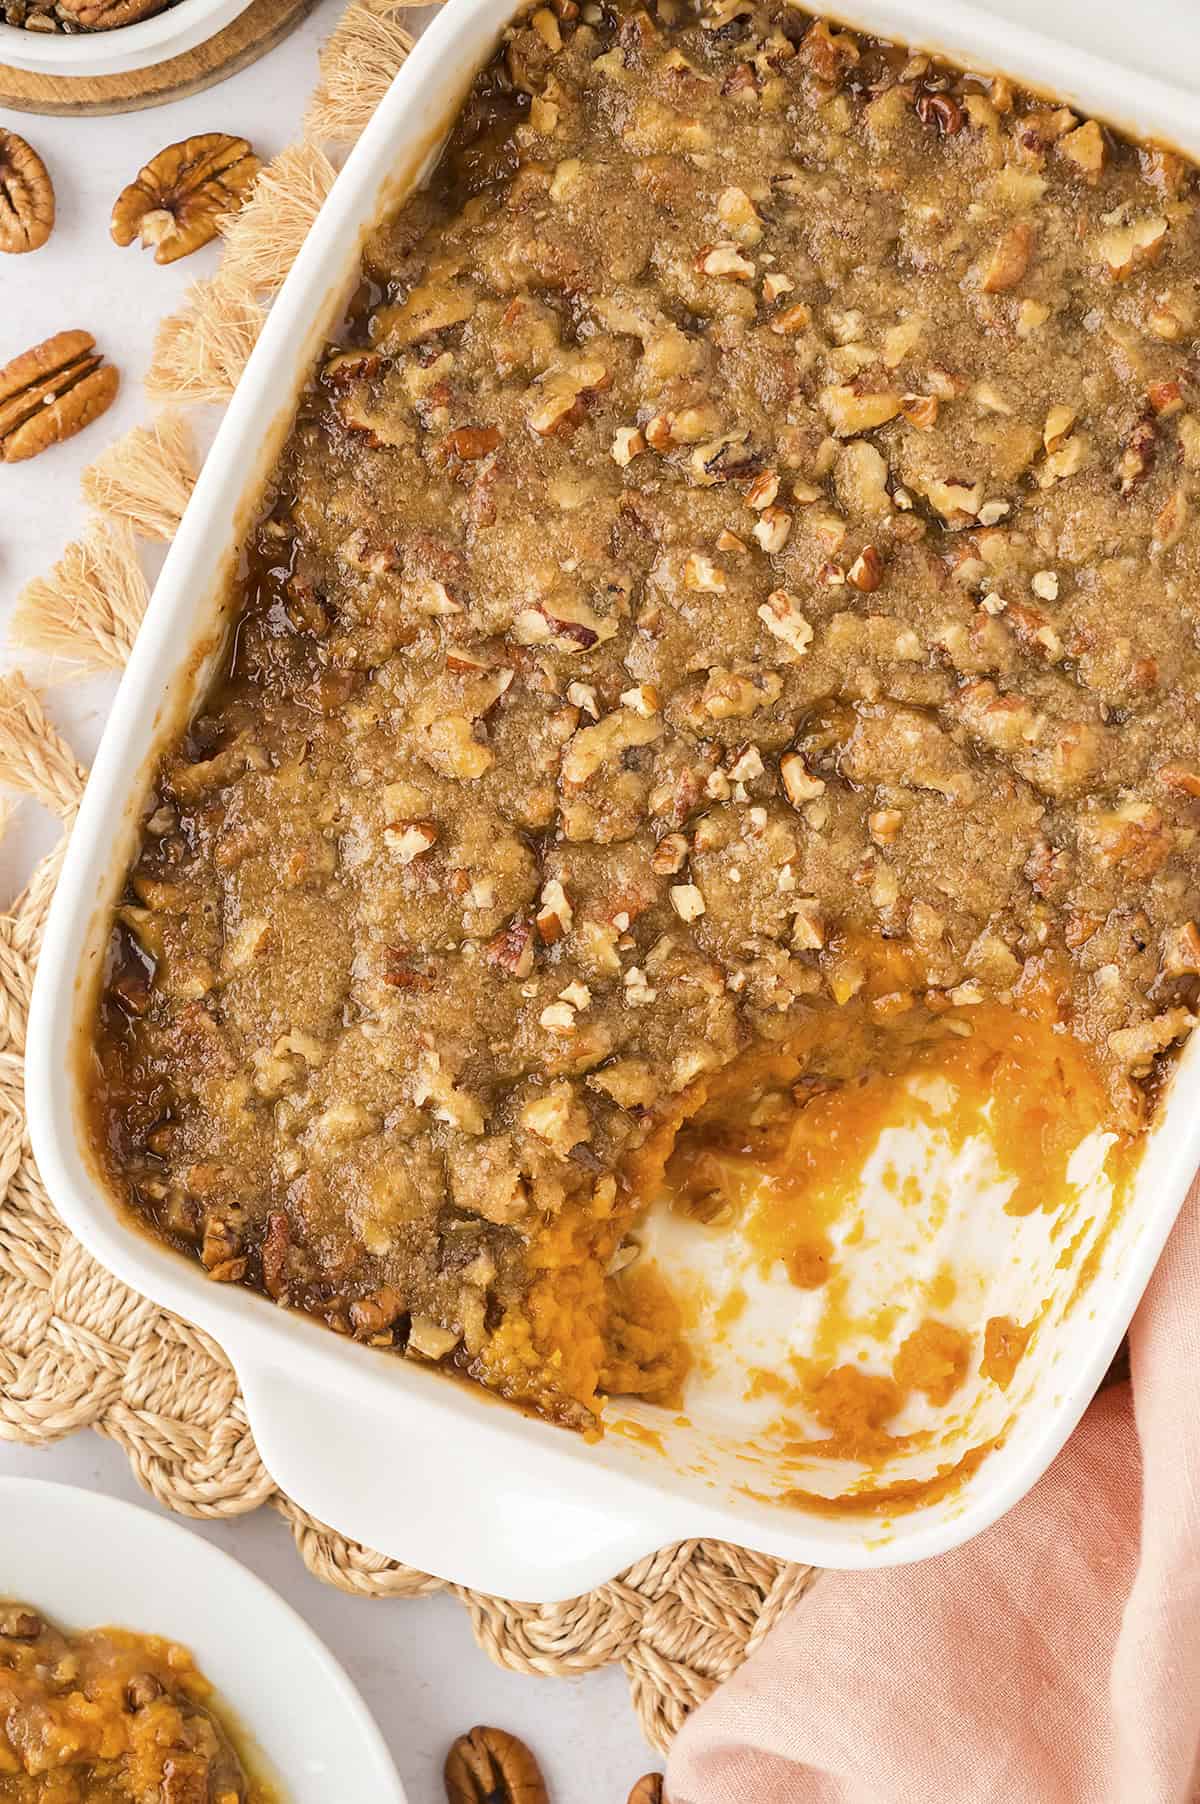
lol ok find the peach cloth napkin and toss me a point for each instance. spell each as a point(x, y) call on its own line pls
point(1054, 1660)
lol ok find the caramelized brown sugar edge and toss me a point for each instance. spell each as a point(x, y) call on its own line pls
point(720, 637)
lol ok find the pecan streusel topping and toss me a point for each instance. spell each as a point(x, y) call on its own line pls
point(737, 566)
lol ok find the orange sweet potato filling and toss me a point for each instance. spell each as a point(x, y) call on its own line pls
point(776, 1143)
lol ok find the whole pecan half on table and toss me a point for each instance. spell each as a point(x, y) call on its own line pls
point(177, 199)
point(26, 196)
point(51, 392)
point(490, 1766)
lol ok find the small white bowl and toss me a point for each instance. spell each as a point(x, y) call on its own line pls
point(88, 1561)
point(128, 47)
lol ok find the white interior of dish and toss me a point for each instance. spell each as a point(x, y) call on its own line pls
point(928, 1210)
point(441, 1475)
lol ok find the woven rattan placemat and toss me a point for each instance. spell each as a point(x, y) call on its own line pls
point(79, 1350)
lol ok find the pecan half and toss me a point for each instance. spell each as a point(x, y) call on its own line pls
point(647, 1790)
point(26, 196)
point(490, 1766)
point(51, 392)
point(110, 15)
point(180, 195)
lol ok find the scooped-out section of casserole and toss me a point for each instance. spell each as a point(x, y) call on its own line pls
point(713, 705)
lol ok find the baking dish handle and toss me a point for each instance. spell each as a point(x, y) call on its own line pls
point(465, 1491)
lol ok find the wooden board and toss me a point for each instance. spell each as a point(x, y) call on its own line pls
point(255, 31)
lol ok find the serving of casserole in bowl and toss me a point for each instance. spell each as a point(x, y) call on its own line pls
point(138, 1661)
point(645, 865)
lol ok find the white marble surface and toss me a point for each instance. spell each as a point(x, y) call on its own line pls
point(415, 1661)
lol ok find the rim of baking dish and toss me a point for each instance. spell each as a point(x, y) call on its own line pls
point(616, 1509)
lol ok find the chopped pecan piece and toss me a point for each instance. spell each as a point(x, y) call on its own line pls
point(407, 840)
point(557, 402)
point(729, 694)
point(1010, 260)
point(1138, 454)
point(559, 1118)
point(512, 947)
point(20, 1624)
point(687, 901)
point(763, 490)
point(920, 411)
point(1180, 777)
point(866, 572)
point(627, 444)
point(670, 854)
point(555, 917)
point(784, 618)
point(828, 53)
point(373, 1316)
point(799, 784)
point(469, 443)
point(402, 971)
point(850, 412)
point(1166, 398)
point(700, 573)
point(1126, 248)
point(772, 528)
point(790, 320)
point(942, 111)
point(1133, 836)
point(724, 260)
point(1085, 148)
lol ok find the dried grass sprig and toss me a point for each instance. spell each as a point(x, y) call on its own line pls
point(146, 477)
point(356, 69)
point(200, 352)
point(261, 241)
point(89, 606)
point(34, 756)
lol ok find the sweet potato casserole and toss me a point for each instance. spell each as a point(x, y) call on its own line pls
point(109, 1717)
point(723, 628)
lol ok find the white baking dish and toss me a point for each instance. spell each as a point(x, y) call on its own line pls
point(89, 1561)
point(139, 46)
point(440, 1474)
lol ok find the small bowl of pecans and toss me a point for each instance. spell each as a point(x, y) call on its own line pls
point(106, 37)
